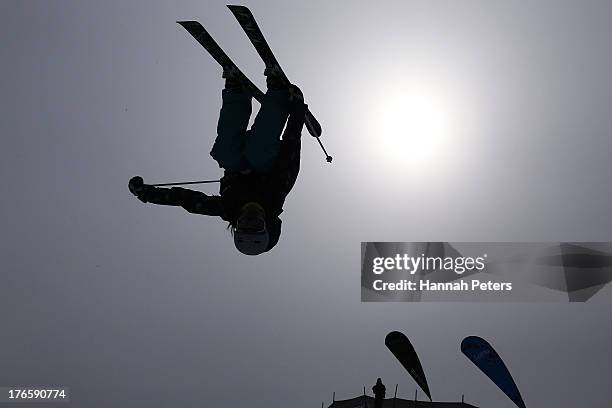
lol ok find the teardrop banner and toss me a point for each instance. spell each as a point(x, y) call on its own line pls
point(403, 350)
point(484, 356)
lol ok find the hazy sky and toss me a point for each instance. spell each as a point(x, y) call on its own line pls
point(142, 306)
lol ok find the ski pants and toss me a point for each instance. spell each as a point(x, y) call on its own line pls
point(238, 149)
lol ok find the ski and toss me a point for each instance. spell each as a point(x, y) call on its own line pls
point(249, 25)
point(205, 39)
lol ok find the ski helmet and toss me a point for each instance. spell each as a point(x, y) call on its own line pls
point(251, 236)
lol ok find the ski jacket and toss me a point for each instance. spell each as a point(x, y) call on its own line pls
point(237, 189)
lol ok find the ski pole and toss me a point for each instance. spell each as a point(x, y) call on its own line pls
point(327, 156)
point(186, 182)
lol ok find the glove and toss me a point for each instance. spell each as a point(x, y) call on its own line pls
point(138, 188)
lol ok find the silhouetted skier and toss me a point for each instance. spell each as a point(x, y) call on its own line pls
point(260, 169)
point(379, 391)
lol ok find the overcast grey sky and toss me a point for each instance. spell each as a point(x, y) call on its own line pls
point(144, 306)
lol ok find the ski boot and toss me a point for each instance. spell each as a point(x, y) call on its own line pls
point(274, 79)
point(232, 79)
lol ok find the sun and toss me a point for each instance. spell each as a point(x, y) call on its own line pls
point(412, 125)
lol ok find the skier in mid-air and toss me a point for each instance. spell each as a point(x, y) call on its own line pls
point(260, 168)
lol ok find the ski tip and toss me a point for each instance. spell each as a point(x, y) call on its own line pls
point(236, 7)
